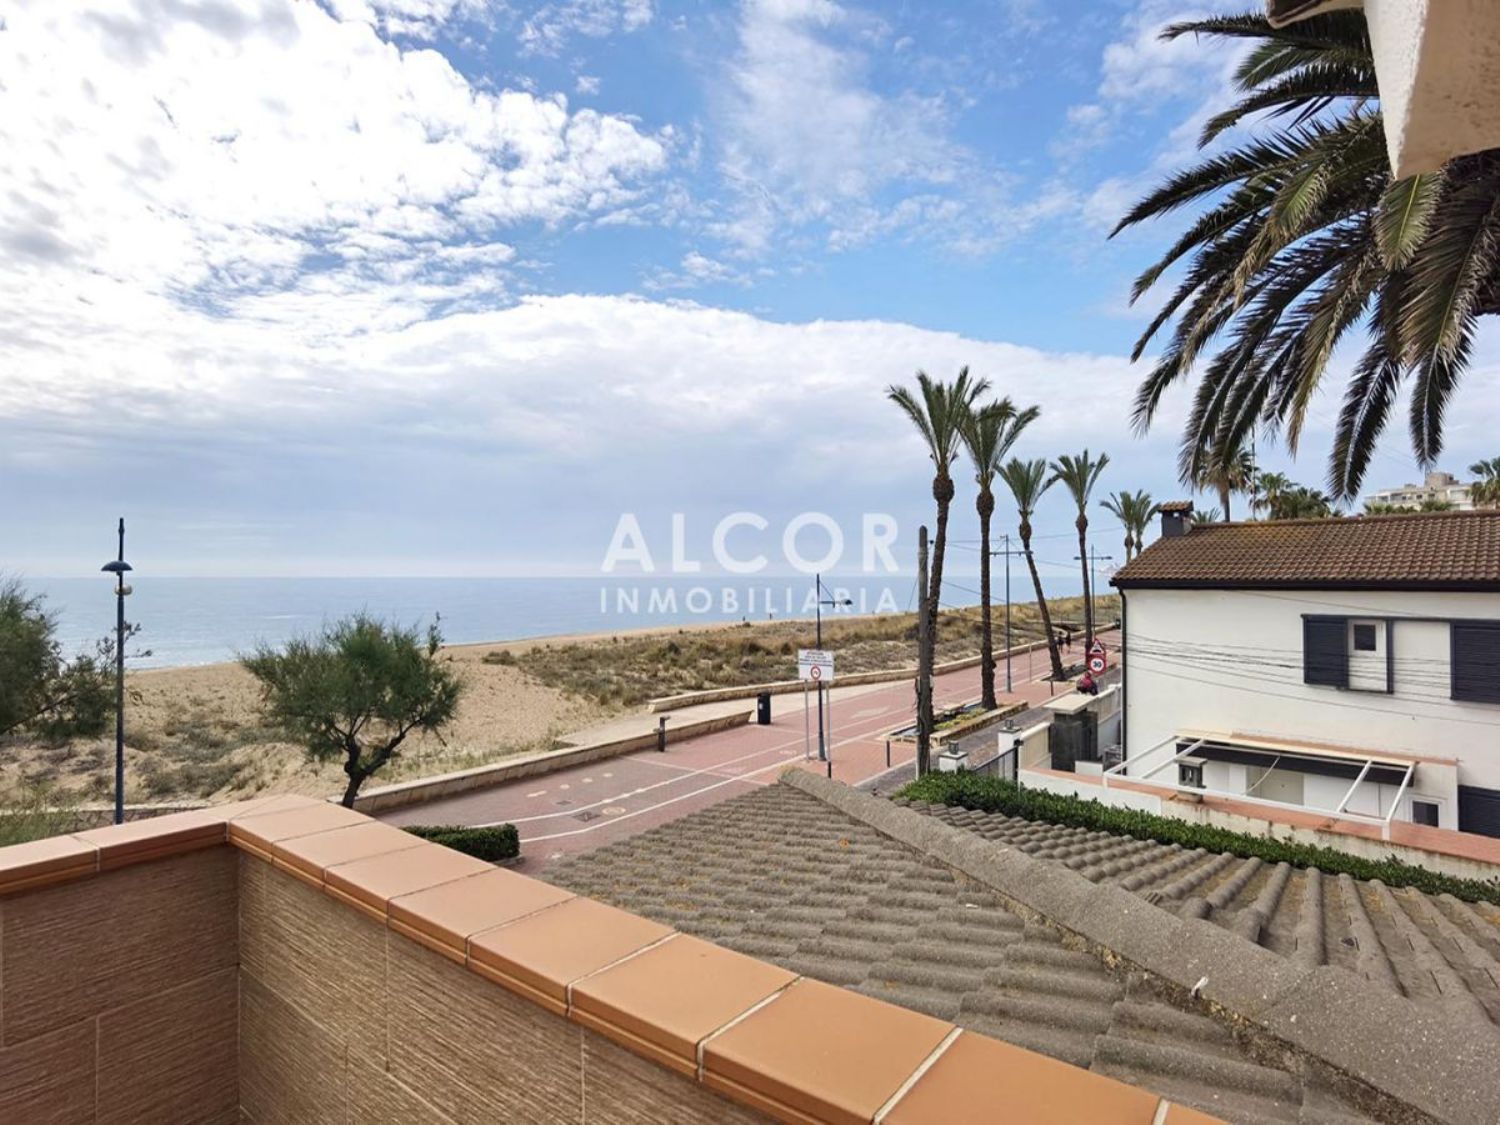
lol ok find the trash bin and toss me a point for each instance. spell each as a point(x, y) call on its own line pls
point(763, 708)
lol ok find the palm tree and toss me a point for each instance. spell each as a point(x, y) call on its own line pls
point(1079, 475)
point(1304, 236)
point(1301, 503)
point(1199, 515)
point(1485, 492)
point(1027, 481)
point(988, 433)
point(937, 410)
point(1266, 488)
point(1225, 475)
point(1146, 510)
point(1134, 510)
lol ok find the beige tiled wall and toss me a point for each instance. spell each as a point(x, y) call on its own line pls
point(118, 995)
point(342, 1019)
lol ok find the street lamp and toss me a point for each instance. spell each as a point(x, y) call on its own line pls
point(820, 591)
point(119, 567)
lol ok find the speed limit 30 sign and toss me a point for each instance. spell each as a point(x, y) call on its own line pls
point(1098, 658)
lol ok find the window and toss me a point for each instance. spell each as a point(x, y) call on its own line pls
point(1325, 651)
point(1190, 775)
point(1475, 672)
point(1424, 812)
point(1364, 637)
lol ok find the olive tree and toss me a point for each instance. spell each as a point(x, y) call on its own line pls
point(355, 691)
point(44, 693)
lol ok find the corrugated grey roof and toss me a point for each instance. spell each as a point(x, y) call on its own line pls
point(1432, 949)
point(781, 875)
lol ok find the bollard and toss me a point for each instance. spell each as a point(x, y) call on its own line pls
point(661, 734)
point(830, 769)
point(887, 753)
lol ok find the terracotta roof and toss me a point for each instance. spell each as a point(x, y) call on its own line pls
point(1426, 551)
point(1175, 506)
point(780, 875)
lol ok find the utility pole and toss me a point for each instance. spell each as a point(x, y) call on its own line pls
point(1007, 552)
point(924, 664)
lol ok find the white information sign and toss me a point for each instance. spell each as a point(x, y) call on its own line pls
point(815, 665)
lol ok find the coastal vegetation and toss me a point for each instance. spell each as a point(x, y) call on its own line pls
point(356, 691)
point(625, 671)
point(1303, 237)
point(43, 691)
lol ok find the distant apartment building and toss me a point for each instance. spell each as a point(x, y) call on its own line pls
point(1435, 488)
point(1342, 666)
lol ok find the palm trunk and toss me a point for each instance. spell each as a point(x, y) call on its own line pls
point(1088, 601)
point(1224, 500)
point(942, 492)
point(1041, 603)
point(986, 631)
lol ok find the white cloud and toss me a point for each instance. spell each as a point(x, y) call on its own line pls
point(549, 28)
point(654, 404)
point(419, 19)
point(811, 140)
point(267, 161)
point(808, 136)
point(1139, 72)
point(586, 85)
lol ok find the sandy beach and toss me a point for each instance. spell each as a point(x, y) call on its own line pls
point(195, 733)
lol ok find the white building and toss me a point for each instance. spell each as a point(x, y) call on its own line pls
point(1347, 666)
point(1435, 487)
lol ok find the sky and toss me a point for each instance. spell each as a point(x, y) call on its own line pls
point(446, 287)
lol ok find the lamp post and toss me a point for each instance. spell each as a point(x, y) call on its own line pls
point(119, 567)
point(820, 591)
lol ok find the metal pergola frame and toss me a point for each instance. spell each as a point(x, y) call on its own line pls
point(1339, 812)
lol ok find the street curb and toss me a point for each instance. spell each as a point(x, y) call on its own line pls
point(1402, 1061)
point(422, 789)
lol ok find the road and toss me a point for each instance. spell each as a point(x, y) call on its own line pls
point(588, 806)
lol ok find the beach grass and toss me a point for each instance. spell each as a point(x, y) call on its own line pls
point(626, 670)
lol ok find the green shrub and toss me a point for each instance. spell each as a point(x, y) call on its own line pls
point(490, 844)
point(996, 795)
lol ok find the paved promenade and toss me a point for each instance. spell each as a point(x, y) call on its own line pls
point(588, 806)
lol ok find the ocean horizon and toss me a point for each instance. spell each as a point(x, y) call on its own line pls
point(189, 621)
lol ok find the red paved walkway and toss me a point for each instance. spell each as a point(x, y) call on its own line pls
point(592, 805)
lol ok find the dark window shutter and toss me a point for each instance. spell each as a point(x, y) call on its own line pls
point(1476, 661)
point(1325, 651)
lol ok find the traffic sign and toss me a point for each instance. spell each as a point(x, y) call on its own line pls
point(815, 665)
point(1098, 658)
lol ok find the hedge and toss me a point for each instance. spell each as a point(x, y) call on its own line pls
point(996, 795)
point(490, 844)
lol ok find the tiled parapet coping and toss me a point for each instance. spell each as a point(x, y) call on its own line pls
point(787, 1046)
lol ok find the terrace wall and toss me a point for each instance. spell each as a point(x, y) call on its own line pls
point(118, 996)
point(345, 1020)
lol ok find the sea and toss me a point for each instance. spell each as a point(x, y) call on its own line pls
point(187, 621)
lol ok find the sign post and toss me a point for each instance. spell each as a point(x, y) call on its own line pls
point(815, 667)
point(1098, 658)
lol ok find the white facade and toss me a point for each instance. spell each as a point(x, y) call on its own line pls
point(1230, 663)
point(1436, 486)
point(1437, 63)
